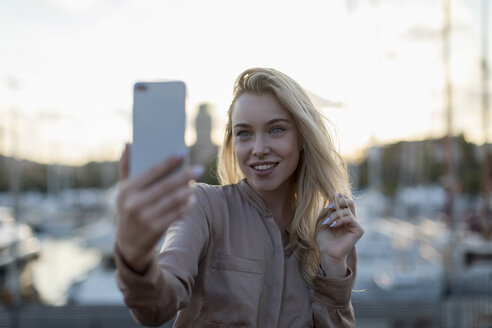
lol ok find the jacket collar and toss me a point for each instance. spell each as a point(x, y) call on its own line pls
point(254, 198)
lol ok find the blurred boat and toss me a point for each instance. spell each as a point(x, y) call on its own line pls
point(400, 260)
point(472, 271)
point(18, 248)
point(17, 242)
point(99, 285)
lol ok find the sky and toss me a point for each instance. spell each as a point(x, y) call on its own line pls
point(67, 67)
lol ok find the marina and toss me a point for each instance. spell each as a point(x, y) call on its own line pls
point(409, 273)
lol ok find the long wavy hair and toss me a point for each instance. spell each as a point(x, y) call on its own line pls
point(321, 173)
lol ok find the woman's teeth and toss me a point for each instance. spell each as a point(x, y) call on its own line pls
point(263, 167)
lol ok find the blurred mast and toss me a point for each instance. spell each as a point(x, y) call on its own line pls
point(14, 169)
point(485, 121)
point(448, 169)
point(13, 280)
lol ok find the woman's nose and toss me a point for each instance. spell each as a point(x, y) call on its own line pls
point(260, 147)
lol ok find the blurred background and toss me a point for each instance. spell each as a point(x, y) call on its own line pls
point(405, 83)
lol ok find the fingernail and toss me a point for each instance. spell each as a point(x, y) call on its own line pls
point(192, 199)
point(334, 223)
point(182, 153)
point(197, 170)
point(326, 220)
point(332, 205)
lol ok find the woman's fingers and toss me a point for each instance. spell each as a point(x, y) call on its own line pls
point(345, 202)
point(124, 166)
point(336, 215)
point(344, 221)
point(157, 172)
point(166, 206)
point(345, 205)
point(340, 230)
point(345, 218)
point(149, 203)
point(129, 191)
point(164, 188)
point(139, 230)
point(340, 218)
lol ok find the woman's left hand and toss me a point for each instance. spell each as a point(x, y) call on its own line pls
point(339, 233)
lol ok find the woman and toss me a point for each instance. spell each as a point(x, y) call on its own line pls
point(272, 247)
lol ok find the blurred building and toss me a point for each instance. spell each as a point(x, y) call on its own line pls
point(204, 151)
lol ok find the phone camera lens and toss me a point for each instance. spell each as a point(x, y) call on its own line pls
point(141, 87)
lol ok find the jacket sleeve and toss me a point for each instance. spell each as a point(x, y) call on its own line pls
point(331, 298)
point(155, 296)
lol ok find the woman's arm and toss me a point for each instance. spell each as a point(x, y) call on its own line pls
point(156, 295)
point(331, 298)
point(332, 289)
point(148, 205)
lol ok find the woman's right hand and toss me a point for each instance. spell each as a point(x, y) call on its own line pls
point(148, 204)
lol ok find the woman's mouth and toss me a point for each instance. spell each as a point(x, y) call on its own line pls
point(263, 169)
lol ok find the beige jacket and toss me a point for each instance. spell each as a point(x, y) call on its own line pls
point(224, 265)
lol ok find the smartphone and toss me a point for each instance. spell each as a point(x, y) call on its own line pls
point(159, 121)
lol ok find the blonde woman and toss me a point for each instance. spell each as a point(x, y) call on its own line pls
point(274, 246)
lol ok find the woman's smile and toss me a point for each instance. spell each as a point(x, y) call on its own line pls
point(264, 168)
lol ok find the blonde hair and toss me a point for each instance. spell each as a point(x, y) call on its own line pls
point(321, 172)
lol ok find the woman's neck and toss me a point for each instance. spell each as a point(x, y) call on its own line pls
point(281, 204)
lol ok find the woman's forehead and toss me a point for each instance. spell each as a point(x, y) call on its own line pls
point(251, 107)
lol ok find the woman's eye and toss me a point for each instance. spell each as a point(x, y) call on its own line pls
point(243, 134)
point(277, 130)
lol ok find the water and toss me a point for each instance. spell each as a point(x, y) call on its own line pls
point(62, 262)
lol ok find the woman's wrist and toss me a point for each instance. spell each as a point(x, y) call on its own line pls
point(138, 264)
point(333, 268)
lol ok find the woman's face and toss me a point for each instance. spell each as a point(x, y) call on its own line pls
point(266, 142)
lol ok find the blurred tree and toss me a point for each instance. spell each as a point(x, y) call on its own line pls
point(429, 156)
point(392, 165)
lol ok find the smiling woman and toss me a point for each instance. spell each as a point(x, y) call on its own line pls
point(272, 247)
point(320, 172)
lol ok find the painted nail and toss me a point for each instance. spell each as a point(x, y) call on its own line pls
point(326, 220)
point(334, 223)
point(192, 199)
point(182, 153)
point(198, 170)
point(332, 205)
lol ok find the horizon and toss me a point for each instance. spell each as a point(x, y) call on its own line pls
point(66, 97)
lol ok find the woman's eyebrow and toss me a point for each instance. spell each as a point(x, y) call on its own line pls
point(270, 122)
point(241, 125)
point(277, 120)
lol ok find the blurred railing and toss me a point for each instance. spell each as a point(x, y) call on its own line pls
point(470, 302)
point(77, 316)
point(455, 312)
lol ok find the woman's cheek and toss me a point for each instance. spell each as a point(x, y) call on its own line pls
point(240, 150)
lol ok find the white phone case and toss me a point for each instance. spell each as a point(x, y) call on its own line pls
point(159, 122)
